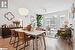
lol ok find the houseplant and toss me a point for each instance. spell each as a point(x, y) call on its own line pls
point(66, 34)
point(39, 19)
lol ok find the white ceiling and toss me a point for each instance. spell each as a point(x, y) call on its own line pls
point(49, 5)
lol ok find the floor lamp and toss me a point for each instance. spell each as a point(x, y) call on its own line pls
point(23, 12)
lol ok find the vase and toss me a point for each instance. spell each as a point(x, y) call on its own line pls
point(29, 27)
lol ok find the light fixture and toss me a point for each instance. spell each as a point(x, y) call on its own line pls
point(23, 11)
point(41, 11)
point(62, 16)
point(55, 16)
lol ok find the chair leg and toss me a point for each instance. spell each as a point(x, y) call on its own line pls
point(10, 40)
point(40, 40)
point(24, 45)
point(17, 44)
point(15, 41)
point(27, 43)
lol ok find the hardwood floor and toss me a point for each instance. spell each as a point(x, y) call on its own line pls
point(51, 44)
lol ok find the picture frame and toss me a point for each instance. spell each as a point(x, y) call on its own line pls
point(9, 16)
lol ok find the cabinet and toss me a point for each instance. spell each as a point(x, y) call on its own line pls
point(6, 32)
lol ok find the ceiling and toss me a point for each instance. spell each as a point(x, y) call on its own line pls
point(49, 5)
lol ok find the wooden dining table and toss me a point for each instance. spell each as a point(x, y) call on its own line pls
point(35, 34)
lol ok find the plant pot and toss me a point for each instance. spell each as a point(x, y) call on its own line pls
point(29, 27)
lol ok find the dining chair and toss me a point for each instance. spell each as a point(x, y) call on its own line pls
point(23, 40)
point(13, 38)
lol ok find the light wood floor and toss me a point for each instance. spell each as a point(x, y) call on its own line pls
point(51, 44)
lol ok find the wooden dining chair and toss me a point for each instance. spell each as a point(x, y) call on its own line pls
point(22, 40)
point(13, 38)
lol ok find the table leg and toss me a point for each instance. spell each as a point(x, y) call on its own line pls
point(40, 40)
point(33, 44)
point(44, 43)
point(36, 41)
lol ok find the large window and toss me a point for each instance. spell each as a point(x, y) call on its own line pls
point(53, 21)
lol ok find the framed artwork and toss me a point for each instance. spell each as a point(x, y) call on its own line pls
point(9, 16)
point(3, 3)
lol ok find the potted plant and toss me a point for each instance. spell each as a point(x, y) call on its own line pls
point(66, 34)
point(39, 19)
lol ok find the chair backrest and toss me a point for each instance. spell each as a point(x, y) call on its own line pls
point(14, 33)
point(22, 36)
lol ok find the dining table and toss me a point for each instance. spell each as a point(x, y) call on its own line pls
point(35, 34)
